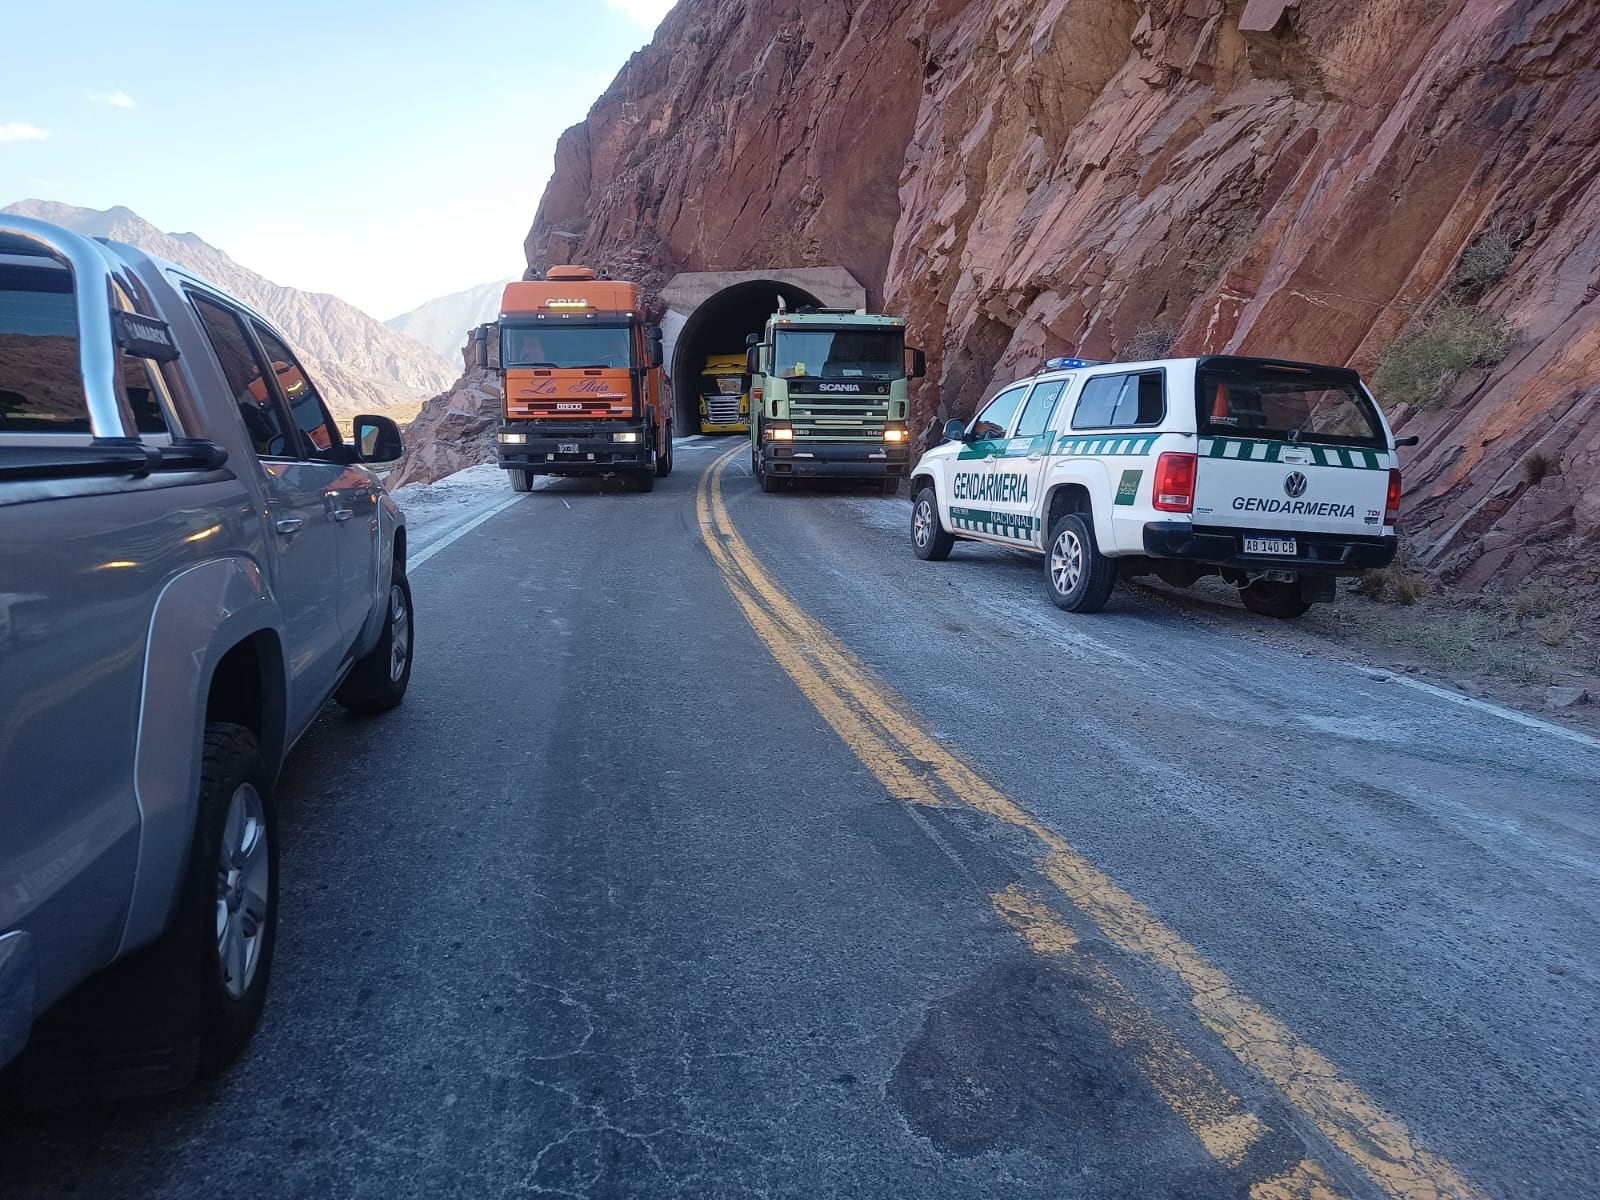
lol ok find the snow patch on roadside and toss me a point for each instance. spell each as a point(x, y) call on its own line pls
point(433, 508)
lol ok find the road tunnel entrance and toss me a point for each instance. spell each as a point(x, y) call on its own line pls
point(710, 314)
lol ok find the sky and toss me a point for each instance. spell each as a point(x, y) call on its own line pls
point(387, 151)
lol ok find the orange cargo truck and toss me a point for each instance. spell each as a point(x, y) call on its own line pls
point(583, 381)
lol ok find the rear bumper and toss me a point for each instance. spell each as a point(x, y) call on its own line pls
point(1320, 553)
point(835, 460)
point(585, 450)
point(17, 991)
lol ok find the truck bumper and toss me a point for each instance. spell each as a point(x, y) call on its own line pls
point(586, 450)
point(17, 990)
point(1320, 553)
point(835, 460)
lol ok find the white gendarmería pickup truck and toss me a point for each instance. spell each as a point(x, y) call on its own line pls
point(1278, 476)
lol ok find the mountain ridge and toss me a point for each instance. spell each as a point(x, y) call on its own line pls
point(364, 365)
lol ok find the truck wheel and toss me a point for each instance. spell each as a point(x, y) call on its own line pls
point(1274, 598)
point(230, 900)
point(190, 1000)
point(645, 480)
point(664, 461)
point(521, 481)
point(378, 682)
point(1077, 576)
point(769, 482)
point(931, 541)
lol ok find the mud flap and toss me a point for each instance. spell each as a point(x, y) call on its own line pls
point(1317, 589)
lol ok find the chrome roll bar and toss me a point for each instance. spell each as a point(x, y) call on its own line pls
point(95, 298)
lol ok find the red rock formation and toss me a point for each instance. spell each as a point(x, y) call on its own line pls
point(1025, 177)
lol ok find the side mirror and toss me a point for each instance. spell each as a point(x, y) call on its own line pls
point(752, 359)
point(658, 354)
point(919, 364)
point(753, 339)
point(480, 342)
point(1408, 441)
point(378, 439)
point(955, 431)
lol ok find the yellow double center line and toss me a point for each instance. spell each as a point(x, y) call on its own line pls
point(895, 743)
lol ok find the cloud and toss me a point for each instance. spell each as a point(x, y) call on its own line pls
point(117, 99)
point(643, 12)
point(21, 131)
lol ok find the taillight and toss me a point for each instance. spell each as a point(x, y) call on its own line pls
point(1174, 488)
point(1391, 510)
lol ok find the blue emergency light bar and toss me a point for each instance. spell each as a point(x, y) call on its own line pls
point(1066, 364)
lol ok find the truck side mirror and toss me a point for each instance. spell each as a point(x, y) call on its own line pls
point(919, 364)
point(480, 340)
point(752, 360)
point(753, 339)
point(658, 354)
point(955, 431)
point(378, 439)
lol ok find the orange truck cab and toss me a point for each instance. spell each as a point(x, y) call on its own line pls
point(583, 380)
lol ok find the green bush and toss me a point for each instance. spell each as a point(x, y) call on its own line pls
point(1535, 467)
point(1486, 262)
point(1422, 364)
point(1153, 341)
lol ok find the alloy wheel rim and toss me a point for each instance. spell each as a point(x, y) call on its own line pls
point(1066, 561)
point(400, 633)
point(922, 524)
point(244, 878)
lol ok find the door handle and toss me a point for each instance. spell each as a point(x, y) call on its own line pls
point(1035, 457)
point(288, 525)
point(343, 514)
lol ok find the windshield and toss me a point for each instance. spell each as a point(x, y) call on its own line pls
point(567, 346)
point(841, 354)
point(1291, 404)
point(721, 385)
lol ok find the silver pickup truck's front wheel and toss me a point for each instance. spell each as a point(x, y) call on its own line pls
point(378, 682)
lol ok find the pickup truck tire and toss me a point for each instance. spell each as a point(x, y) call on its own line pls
point(228, 908)
point(521, 481)
point(930, 540)
point(664, 459)
point(1274, 598)
point(378, 682)
point(1077, 576)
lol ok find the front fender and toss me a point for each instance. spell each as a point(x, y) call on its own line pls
point(201, 614)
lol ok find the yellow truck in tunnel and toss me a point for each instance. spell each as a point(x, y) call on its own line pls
point(724, 394)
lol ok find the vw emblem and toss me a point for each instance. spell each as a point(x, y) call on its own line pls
point(1294, 485)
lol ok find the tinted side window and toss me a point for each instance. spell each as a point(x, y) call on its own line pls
point(262, 418)
point(1115, 401)
point(994, 420)
point(40, 391)
point(318, 435)
point(1036, 413)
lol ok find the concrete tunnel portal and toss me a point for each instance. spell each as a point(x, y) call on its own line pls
point(713, 312)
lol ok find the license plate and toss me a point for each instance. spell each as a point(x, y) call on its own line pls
point(1259, 545)
point(569, 448)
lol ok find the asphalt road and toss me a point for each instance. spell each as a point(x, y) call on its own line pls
point(722, 848)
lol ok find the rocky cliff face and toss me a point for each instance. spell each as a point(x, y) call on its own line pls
point(363, 365)
point(1028, 177)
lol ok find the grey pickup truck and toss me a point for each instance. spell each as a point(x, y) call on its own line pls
point(193, 561)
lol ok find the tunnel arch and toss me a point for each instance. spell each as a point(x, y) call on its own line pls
point(719, 325)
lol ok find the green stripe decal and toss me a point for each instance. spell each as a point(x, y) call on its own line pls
point(1019, 527)
point(1116, 447)
point(1355, 458)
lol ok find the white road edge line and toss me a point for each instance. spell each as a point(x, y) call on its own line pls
point(1505, 714)
point(459, 532)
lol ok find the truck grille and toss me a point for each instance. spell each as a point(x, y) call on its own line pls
point(832, 421)
point(723, 410)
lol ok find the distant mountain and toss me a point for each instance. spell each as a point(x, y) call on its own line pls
point(442, 324)
point(364, 365)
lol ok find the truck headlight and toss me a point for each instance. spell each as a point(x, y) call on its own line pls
point(780, 433)
point(631, 436)
point(513, 439)
point(894, 435)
